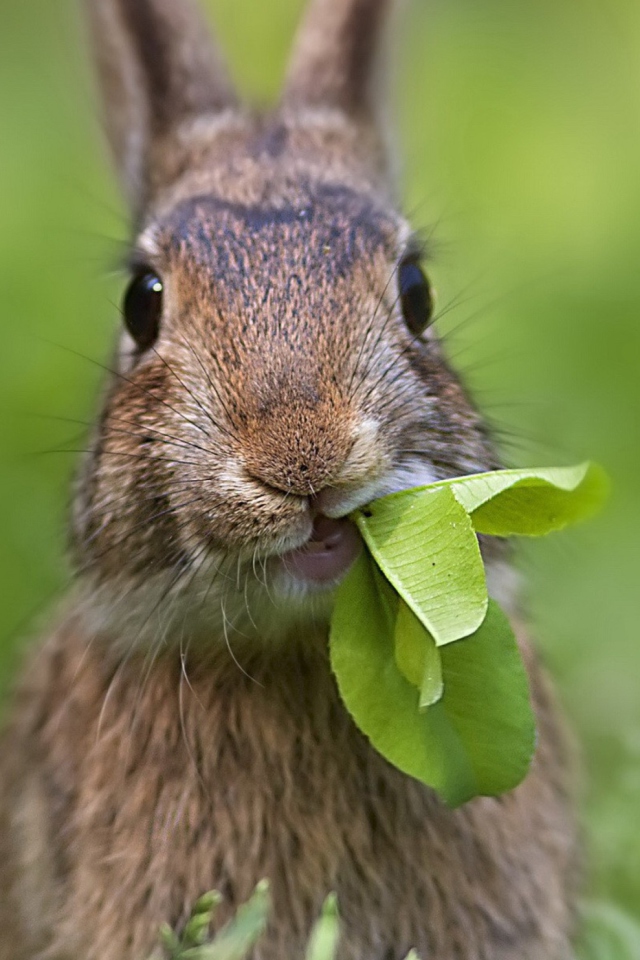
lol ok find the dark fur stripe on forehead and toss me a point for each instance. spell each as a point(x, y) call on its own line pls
point(325, 233)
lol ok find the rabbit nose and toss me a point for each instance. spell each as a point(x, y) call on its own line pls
point(298, 458)
point(298, 444)
point(303, 471)
point(322, 450)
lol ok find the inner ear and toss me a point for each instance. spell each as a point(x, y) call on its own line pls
point(339, 60)
point(158, 68)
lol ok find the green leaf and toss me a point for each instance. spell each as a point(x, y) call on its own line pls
point(486, 698)
point(325, 935)
point(383, 703)
point(531, 502)
point(505, 503)
point(429, 667)
point(478, 739)
point(417, 656)
point(427, 548)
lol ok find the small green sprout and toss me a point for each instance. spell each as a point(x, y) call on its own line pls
point(325, 935)
point(235, 940)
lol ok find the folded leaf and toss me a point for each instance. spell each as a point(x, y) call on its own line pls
point(486, 698)
point(478, 739)
point(426, 547)
point(531, 502)
point(417, 656)
point(429, 667)
point(380, 699)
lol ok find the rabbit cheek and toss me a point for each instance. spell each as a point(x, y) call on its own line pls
point(130, 523)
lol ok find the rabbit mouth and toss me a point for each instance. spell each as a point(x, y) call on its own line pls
point(328, 554)
point(334, 544)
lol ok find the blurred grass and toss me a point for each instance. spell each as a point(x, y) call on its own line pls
point(520, 127)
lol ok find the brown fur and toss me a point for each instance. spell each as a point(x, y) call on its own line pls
point(180, 730)
point(159, 784)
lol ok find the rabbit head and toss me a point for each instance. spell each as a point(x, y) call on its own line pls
point(277, 368)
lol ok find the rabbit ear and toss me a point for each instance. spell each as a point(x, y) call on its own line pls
point(157, 67)
point(337, 57)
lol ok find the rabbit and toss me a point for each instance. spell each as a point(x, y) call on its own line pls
point(178, 729)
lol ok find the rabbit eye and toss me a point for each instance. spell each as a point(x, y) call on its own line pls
point(142, 308)
point(416, 296)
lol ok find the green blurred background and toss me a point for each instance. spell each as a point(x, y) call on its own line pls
point(520, 128)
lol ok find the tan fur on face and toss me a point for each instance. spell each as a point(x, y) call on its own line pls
point(180, 729)
point(281, 347)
